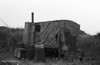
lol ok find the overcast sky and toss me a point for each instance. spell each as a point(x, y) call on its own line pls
point(85, 12)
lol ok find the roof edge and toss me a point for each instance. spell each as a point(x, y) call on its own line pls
point(61, 20)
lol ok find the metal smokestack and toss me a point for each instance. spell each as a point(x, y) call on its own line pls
point(32, 17)
point(33, 25)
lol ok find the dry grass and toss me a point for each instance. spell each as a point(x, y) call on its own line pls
point(55, 63)
point(48, 62)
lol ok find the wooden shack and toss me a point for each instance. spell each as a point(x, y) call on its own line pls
point(51, 34)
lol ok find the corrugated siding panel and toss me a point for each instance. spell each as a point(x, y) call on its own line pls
point(51, 30)
point(52, 44)
point(44, 34)
point(49, 35)
point(44, 27)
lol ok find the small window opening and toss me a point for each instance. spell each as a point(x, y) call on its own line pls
point(37, 28)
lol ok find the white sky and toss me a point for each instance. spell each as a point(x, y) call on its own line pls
point(85, 12)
